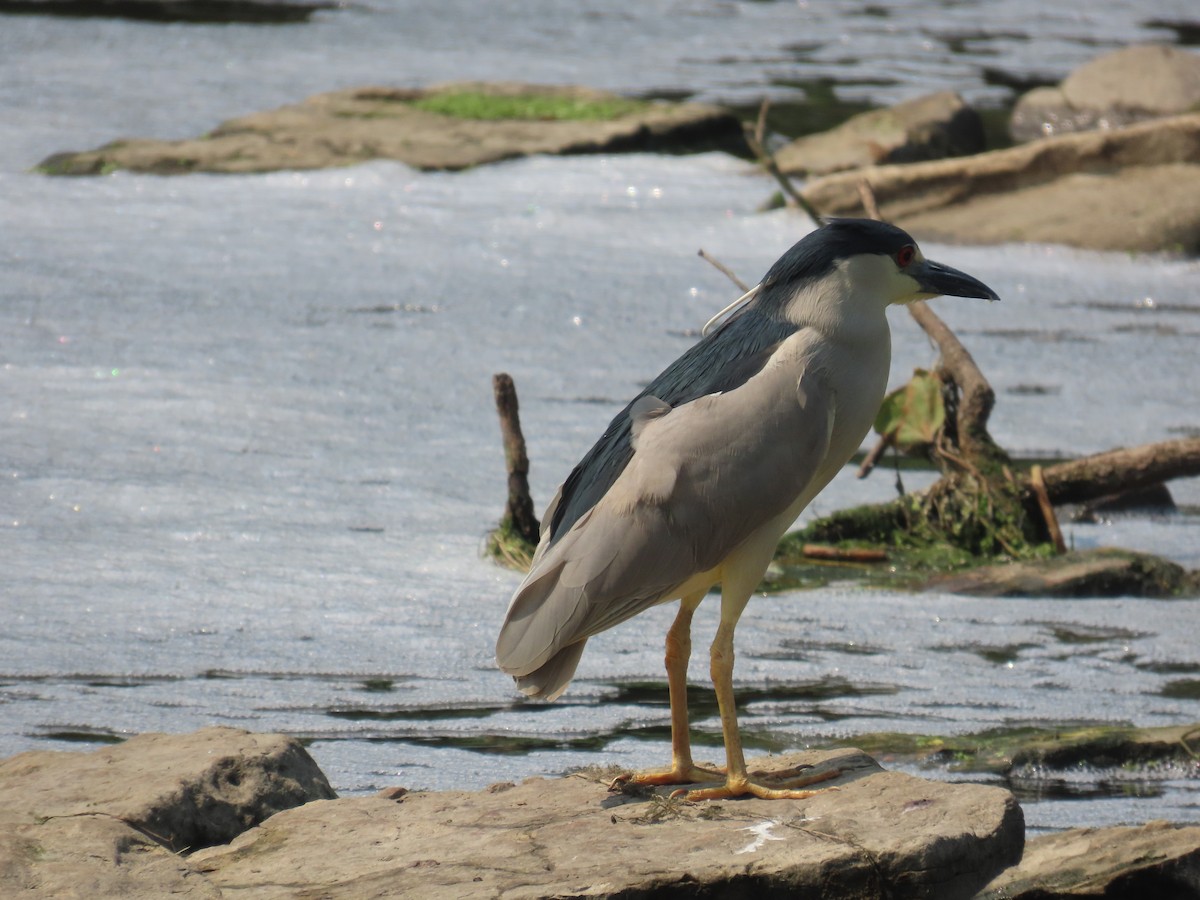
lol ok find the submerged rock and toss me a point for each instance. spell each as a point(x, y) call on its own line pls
point(346, 127)
point(1111, 91)
point(929, 127)
point(1156, 860)
point(1132, 189)
point(1023, 754)
point(1105, 572)
point(199, 11)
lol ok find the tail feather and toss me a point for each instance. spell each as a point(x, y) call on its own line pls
point(549, 681)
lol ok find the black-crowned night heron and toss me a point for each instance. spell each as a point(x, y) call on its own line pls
point(696, 480)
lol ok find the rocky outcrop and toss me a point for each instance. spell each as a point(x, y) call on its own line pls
point(352, 126)
point(99, 824)
point(880, 834)
point(1158, 860)
point(930, 127)
point(106, 823)
point(223, 813)
point(1112, 91)
point(1130, 189)
point(187, 791)
point(1105, 572)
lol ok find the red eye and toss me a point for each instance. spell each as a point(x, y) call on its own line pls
point(905, 256)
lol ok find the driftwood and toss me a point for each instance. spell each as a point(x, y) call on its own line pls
point(844, 554)
point(1119, 470)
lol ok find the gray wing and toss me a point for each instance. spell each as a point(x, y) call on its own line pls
point(703, 477)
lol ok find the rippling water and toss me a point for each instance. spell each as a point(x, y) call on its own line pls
point(249, 454)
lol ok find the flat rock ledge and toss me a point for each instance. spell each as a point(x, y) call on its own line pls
point(347, 127)
point(100, 824)
point(1157, 860)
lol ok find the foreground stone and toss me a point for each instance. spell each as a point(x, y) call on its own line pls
point(105, 823)
point(1157, 860)
point(343, 128)
point(98, 824)
point(930, 127)
point(1131, 189)
point(1113, 90)
point(881, 834)
point(1106, 572)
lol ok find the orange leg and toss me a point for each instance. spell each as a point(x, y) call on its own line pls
point(737, 781)
point(679, 651)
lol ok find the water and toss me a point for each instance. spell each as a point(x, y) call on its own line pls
point(249, 452)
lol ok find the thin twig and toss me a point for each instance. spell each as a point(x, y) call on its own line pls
point(867, 193)
point(871, 459)
point(844, 554)
point(760, 126)
point(1038, 483)
point(767, 161)
point(724, 269)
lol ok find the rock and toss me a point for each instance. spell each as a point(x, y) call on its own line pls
point(930, 127)
point(95, 824)
point(1153, 499)
point(1107, 747)
point(1131, 189)
point(351, 126)
point(1112, 91)
point(1157, 860)
point(198, 11)
point(110, 823)
point(881, 834)
point(1088, 573)
point(1024, 754)
point(92, 856)
point(185, 791)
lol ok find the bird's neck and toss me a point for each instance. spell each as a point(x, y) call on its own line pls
point(843, 311)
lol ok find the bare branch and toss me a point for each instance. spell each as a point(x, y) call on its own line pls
point(767, 161)
point(868, 200)
point(1038, 484)
point(872, 458)
point(722, 268)
point(760, 127)
point(519, 510)
point(978, 398)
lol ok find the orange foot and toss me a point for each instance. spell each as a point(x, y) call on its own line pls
point(684, 774)
point(743, 787)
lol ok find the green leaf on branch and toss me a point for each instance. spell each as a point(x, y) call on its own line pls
point(911, 416)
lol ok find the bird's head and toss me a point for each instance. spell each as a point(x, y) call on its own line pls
point(851, 265)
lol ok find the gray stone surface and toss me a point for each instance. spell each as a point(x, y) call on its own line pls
point(929, 127)
point(351, 126)
point(879, 834)
point(106, 823)
point(1131, 189)
point(1111, 91)
point(185, 791)
point(95, 825)
point(1155, 861)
